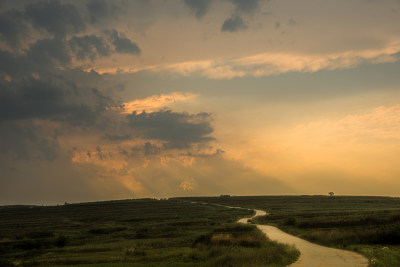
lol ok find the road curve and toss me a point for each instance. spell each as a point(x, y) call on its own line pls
point(311, 255)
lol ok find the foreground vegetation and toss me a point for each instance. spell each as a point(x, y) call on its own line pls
point(135, 233)
point(368, 225)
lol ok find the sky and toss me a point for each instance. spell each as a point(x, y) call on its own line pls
point(104, 100)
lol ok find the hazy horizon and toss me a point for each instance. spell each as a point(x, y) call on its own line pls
point(104, 100)
point(173, 197)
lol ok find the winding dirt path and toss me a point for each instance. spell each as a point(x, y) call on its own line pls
point(312, 255)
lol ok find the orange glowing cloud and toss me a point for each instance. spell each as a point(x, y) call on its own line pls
point(363, 145)
point(380, 125)
point(111, 166)
point(270, 63)
point(154, 102)
point(187, 185)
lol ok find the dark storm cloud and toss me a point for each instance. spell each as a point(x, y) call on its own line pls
point(61, 19)
point(198, 7)
point(122, 44)
point(179, 130)
point(12, 27)
point(48, 53)
point(148, 149)
point(51, 99)
point(89, 46)
point(23, 142)
point(38, 89)
point(242, 8)
point(43, 57)
point(92, 46)
point(57, 19)
point(101, 9)
point(48, 105)
point(233, 24)
point(37, 82)
point(14, 66)
point(118, 137)
point(245, 6)
point(100, 154)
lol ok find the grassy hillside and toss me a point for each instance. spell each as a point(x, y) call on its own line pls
point(369, 225)
point(134, 233)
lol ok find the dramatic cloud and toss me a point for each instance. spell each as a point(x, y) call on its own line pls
point(12, 27)
point(41, 97)
point(233, 24)
point(49, 53)
point(101, 9)
point(113, 99)
point(37, 89)
point(123, 44)
point(211, 173)
point(277, 63)
point(55, 100)
point(179, 130)
point(92, 46)
point(154, 102)
point(46, 104)
point(245, 6)
point(89, 46)
point(56, 18)
point(162, 175)
point(236, 23)
point(198, 7)
point(27, 141)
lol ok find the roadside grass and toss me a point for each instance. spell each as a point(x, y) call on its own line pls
point(380, 256)
point(368, 225)
point(144, 232)
point(243, 245)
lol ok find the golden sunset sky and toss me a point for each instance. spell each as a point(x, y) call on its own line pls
point(128, 99)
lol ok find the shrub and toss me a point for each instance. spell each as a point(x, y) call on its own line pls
point(141, 233)
point(290, 221)
point(105, 231)
point(61, 241)
point(28, 245)
point(40, 234)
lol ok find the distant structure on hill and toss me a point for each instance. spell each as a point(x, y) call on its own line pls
point(225, 196)
point(331, 194)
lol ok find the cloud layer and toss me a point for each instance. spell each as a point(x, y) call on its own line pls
point(120, 99)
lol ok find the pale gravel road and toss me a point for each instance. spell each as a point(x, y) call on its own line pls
point(312, 255)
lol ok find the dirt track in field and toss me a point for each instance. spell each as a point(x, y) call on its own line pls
point(312, 255)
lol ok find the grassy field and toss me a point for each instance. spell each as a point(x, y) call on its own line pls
point(368, 225)
point(142, 232)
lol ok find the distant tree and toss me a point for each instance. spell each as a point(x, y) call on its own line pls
point(331, 194)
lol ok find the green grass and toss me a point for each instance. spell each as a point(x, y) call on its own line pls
point(368, 225)
point(243, 245)
point(143, 232)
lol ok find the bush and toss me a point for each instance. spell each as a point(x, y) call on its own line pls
point(290, 221)
point(141, 233)
point(61, 241)
point(106, 231)
point(40, 234)
point(28, 244)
